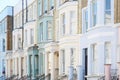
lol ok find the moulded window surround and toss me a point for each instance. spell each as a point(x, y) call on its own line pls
point(107, 11)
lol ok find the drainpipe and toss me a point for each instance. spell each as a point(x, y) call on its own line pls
point(22, 23)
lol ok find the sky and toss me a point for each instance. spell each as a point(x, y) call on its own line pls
point(4, 3)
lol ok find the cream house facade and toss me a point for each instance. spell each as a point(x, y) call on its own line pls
point(62, 55)
point(25, 22)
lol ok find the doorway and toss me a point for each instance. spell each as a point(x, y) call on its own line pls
point(85, 62)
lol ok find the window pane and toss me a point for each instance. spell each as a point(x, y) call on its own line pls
point(108, 4)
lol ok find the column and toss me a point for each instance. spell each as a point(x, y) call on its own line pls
point(80, 73)
point(13, 60)
point(15, 66)
point(20, 67)
point(52, 66)
point(118, 71)
point(107, 72)
point(118, 61)
point(28, 65)
point(24, 66)
point(33, 66)
point(8, 68)
point(71, 70)
point(101, 58)
point(6, 71)
point(89, 60)
point(46, 65)
point(39, 64)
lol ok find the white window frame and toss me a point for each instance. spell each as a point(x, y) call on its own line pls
point(63, 22)
point(84, 20)
point(72, 22)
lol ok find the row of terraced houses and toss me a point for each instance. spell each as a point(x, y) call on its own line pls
point(60, 40)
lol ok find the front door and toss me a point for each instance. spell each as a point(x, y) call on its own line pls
point(85, 62)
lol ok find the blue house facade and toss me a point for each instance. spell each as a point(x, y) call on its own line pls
point(44, 30)
point(6, 24)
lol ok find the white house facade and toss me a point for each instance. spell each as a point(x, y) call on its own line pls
point(98, 41)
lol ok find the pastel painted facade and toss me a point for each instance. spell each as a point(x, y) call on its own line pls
point(6, 24)
point(99, 40)
point(44, 32)
point(62, 54)
point(64, 40)
point(24, 41)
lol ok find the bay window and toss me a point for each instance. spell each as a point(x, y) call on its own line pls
point(93, 13)
point(72, 22)
point(85, 21)
point(107, 11)
point(63, 23)
point(41, 31)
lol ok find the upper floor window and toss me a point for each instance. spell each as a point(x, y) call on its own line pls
point(45, 7)
point(51, 4)
point(94, 12)
point(14, 42)
point(34, 11)
point(85, 21)
point(107, 11)
point(72, 22)
point(41, 31)
point(31, 36)
point(3, 45)
point(49, 29)
point(25, 37)
point(63, 24)
point(30, 12)
point(40, 7)
point(19, 42)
